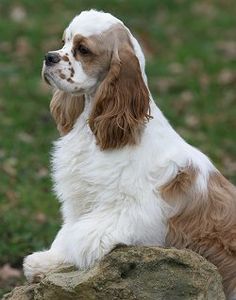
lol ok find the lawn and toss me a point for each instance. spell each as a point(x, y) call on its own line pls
point(190, 48)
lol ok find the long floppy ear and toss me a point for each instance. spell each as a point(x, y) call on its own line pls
point(65, 109)
point(121, 106)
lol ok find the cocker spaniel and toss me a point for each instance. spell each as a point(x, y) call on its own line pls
point(120, 171)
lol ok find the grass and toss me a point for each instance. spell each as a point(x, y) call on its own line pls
point(191, 61)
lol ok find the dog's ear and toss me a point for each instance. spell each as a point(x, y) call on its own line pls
point(65, 109)
point(121, 105)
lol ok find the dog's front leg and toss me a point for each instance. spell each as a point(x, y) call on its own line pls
point(81, 244)
point(37, 264)
point(86, 241)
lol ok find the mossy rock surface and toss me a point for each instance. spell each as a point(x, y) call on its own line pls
point(141, 273)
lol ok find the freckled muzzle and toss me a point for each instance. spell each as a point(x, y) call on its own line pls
point(50, 60)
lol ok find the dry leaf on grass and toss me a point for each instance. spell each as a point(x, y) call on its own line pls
point(192, 121)
point(40, 218)
point(7, 272)
point(12, 196)
point(165, 84)
point(42, 173)
point(183, 101)
point(175, 68)
point(226, 77)
point(18, 14)
point(204, 81)
point(25, 137)
point(9, 166)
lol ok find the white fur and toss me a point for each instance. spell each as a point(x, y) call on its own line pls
point(90, 22)
point(112, 196)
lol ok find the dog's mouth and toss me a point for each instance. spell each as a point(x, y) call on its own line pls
point(45, 77)
point(48, 79)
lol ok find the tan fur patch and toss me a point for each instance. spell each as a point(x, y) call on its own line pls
point(65, 109)
point(206, 223)
point(65, 58)
point(102, 47)
point(180, 186)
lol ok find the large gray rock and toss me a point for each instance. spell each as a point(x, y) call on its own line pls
point(149, 273)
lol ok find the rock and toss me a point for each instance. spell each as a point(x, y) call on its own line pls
point(141, 273)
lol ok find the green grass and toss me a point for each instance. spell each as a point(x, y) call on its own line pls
point(188, 59)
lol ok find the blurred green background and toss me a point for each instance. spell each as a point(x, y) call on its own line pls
point(190, 47)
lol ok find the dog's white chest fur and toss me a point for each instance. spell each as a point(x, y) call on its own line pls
point(113, 186)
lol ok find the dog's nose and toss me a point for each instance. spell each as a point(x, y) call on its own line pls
point(52, 58)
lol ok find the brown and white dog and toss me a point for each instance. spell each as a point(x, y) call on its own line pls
point(120, 171)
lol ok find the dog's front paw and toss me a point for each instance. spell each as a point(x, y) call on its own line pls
point(33, 267)
point(38, 264)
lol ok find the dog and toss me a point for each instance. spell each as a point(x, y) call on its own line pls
point(120, 171)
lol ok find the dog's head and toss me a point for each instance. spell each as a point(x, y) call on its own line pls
point(101, 59)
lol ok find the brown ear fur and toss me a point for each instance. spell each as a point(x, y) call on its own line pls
point(121, 105)
point(65, 109)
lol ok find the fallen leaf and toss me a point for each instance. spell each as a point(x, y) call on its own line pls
point(165, 84)
point(195, 65)
point(40, 218)
point(186, 96)
point(204, 81)
point(183, 101)
point(226, 77)
point(18, 14)
point(192, 121)
point(176, 68)
point(9, 166)
point(25, 137)
point(6, 272)
point(42, 173)
point(12, 196)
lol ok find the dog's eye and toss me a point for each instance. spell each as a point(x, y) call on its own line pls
point(83, 50)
